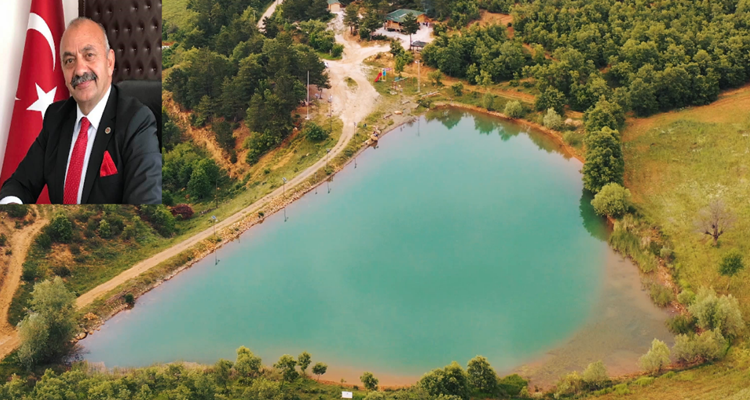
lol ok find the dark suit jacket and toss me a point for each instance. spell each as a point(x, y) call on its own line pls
point(132, 143)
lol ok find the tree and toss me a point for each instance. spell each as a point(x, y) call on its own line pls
point(104, 230)
point(304, 361)
point(223, 131)
point(199, 186)
point(552, 119)
point(656, 358)
point(603, 114)
point(488, 101)
point(319, 369)
point(351, 17)
point(481, 375)
point(595, 375)
point(369, 380)
point(604, 161)
point(713, 312)
point(514, 109)
point(730, 265)
point(247, 364)
point(410, 26)
point(449, 381)
point(715, 219)
point(60, 229)
point(612, 200)
point(551, 98)
point(436, 77)
point(286, 364)
point(708, 346)
point(52, 311)
point(315, 133)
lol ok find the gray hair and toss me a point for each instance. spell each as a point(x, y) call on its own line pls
point(80, 20)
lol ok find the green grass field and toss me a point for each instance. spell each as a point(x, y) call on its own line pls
point(176, 12)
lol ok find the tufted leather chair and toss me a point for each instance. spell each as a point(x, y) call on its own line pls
point(134, 32)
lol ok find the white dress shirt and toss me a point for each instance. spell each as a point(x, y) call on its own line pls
point(95, 118)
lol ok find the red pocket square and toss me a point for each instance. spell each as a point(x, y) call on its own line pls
point(108, 166)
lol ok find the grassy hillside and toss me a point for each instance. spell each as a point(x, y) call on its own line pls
point(675, 163)
point(175, 12)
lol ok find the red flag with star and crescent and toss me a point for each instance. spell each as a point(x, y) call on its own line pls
point(40, 84)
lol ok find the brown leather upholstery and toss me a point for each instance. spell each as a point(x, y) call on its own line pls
point(134, 32)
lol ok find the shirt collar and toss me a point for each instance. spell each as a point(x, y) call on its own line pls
point(95, 116)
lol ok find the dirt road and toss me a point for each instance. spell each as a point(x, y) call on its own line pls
point(268, 13)
point(19, 245)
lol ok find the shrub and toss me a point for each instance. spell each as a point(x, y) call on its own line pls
point(612, 200)
point(722, 313)
point(31, 271)
point(552, 119)
point(337, 50)
point(656, 358)
point(60, 229)
point(666, 253)
point(708, 346)
point(61, 271)
point(595, 375)
point(570, 384)
point(369, 380)
point(3, 239)
point(436, 77)
point(514, 109)
point(315, 132)
point(129, 299)
point(489, 101)
point(451, 380)
point(731, 264)
point(661, 295)
point(183, 210)
point(458, 89)
point(512, 385)
point(15, 210)
point(644, 381)
point(572, 138)
point(104, 231)
point(686, 297)
point(44, 241)
point(681, 324)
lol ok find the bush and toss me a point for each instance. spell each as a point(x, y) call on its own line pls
point(337, 50)
point(489, 101)
point(44, 241)
point(686, 297)
point(721, 313)
point(129, 299)
point(183, 210)
point(512, 385)
point(104, 231)
point(656, 358)
point(552, 119)
point(481, 375)
point(449, 381)
point(315, 133)
point(708, 346)
point(31, 271)
point(570, 384)
point(681, 324)
point(436, 77)
point(612, 200)
point(661, 295)
point(595, 375)
point(3, 239)
point(572, 138)
point(514, 109)
point(60, 229)
point(666, 253)
point(458, 89)
point(15, 210)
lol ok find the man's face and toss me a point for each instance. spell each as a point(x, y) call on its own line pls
point(87, 65)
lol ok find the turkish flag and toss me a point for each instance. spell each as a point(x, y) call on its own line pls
point(41, 83)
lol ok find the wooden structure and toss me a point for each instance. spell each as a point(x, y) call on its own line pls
point(395, 19)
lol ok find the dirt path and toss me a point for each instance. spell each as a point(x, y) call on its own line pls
point(268, 13)
point(357, 105)
point(19, 244)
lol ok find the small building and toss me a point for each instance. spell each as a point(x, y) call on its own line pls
point(334, 6)
point(394, 19)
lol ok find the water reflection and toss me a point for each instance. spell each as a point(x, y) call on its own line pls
point(591, 221)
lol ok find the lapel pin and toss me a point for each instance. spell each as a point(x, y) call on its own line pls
point(108, 130)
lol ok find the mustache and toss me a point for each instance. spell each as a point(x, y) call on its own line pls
point(79, 79)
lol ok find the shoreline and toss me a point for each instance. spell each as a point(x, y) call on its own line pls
point(247, 221)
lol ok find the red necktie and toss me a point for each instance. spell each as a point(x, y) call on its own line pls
point(73, 179)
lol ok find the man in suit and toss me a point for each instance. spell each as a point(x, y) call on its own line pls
point(97, 147)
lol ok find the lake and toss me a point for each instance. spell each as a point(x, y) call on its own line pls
point(461, 234)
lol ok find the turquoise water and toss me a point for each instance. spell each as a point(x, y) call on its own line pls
point(458, 236)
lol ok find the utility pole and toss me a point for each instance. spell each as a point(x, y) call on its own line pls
point(308, 95)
